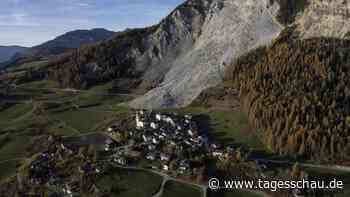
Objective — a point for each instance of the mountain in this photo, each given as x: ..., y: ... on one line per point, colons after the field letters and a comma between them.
x: 187, y: 52
x: 179, y: 57
x: 296, y: 90
x: 288, y: 59
x: 63, y: 43
x: 6, y: 52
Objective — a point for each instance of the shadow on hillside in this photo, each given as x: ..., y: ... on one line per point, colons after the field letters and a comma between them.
x: 206, y: 125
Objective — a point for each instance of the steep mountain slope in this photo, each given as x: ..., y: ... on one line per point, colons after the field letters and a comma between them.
x: 63, y: 43
x: 6, y: 52
x: 297, y: 93
x: 230, y: 29
x: 173, y: 61
x: 182, y: 55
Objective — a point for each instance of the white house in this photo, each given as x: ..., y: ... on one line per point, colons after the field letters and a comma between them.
x: 153, y: 125
x: 164, y: 157
x: 170, y: 121
x: 165, y: 167
x: 67, y: 191
x: 217, y: 153
x: 139, y: 123
x: 120, y: 161
x: 144, y: 137
x: 155, y: 141
x: 150, y: 157
x: 158, y: 117
x: 188, y: 117
x: 107, y: 148
x: 151, y: 147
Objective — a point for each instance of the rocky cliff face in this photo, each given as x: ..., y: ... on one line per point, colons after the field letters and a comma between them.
x: 228, y: 29
x: 188, y: 50
x: 324, y: 18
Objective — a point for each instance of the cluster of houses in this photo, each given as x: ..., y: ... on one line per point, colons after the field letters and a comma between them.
x: 167, y: 141
x: 170, y: 140
x: 44, y: 170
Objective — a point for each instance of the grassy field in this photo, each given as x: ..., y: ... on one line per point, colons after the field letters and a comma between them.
x: 14, y: 147
x: 7, y: 169
x: 14, y: 113
x: 14, y: 135
x: 17, y: 121
x: 69, y: 112
x: 230, y: 127
x: 81, y: 121
x: 130, y: 183
x: 176, y: 189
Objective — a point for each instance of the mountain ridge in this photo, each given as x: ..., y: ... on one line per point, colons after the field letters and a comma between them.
x: 62, y: 43
x: 6, y: 52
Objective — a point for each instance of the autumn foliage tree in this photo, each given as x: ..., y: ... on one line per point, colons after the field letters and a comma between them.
x: 297, y: 93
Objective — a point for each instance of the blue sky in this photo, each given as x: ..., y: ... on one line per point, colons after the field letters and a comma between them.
x: 31, y: 22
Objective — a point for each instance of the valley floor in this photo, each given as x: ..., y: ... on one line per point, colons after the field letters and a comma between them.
x: 31, y: 112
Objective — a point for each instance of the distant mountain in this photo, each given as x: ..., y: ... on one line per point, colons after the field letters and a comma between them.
x: 63, y: 43
x: 6, y: 52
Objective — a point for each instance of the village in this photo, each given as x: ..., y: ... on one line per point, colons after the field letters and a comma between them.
x: 48, y: 169
x: 170, y: 142
x: 166, y: 143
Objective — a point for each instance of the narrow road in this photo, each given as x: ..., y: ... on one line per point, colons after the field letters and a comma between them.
x: 308, y: 165
x: 166, y: 178
x: 79, y: 91
x: 161, y: 189
x: 84, y: 134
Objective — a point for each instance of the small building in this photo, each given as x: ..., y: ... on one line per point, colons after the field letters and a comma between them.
x: 120, y: 161
x: 151, y: 157
x: 166, y: 167
x: 164, y: 157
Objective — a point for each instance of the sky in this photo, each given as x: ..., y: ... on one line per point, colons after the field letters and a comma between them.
x: 31, y: 22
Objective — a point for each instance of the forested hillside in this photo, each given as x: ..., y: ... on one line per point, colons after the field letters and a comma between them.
x: 100, y: 62
x: 297, y: 94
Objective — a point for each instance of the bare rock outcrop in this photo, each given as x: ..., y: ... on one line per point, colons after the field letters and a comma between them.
x: 229, y: 29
